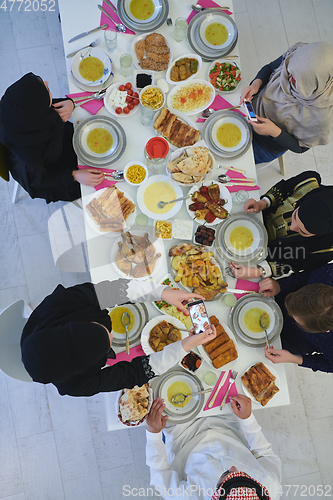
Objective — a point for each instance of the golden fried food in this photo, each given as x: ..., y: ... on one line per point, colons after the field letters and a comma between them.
x: 140, y: 48
x: 217, y: 342
x: 136, y: 256
x: 222, y: 349
x: 160, y: 58
x: 155, y: 39
x: 110, y: 210
x: 163, y: 334
x: 260, y: 383
x: 225, y: 358
x: 178, y: 133
x: 157, y: 49
x: 148, y: 63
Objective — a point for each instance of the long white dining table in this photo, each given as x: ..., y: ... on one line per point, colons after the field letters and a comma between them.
x: 81, y: 15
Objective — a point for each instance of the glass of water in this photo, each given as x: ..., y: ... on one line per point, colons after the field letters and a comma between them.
x: 239, y: 199
x: 110, y: 38
x: 125, y: 64
x: 180, y: 29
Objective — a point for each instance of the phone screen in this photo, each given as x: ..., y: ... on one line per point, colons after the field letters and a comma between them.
x: 250, y: 109
x: 199, y: 316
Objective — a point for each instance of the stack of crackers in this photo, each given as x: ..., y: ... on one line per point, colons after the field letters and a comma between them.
x: 111, y: 210
x: 222, y: 349
x: 259, y: 381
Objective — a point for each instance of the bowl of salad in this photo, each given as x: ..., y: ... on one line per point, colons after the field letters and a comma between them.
x: 225, y: 76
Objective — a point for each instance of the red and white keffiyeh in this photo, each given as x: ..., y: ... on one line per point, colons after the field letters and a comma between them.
x: 241, y: 492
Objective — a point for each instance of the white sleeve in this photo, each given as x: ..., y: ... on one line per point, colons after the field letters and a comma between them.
x: 162, y: 361
x: 268, y: 201
x: 144, y: 291
x: 266, y: 267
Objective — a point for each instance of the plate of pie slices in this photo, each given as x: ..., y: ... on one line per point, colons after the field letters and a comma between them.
x: 264, y: 380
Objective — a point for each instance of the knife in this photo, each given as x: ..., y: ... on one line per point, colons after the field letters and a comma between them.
x: 81, y: 35
x: 224, y: 378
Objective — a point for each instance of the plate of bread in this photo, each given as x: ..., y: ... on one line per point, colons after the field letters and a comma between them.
x: 176, y: 128
x: 133, y: 405
x: 191, y: 165
x: 220, y: 351
x: 260, y: 383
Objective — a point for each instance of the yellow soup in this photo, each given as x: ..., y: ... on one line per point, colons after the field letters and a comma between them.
x: 228, y: 135
x: 216, y: 34
x: 251, y: 319
x: 241, y: 238
x: 142, y: 9
x: 116, y: 315
x: 159, y: 191
x: 91, y: 68
x: 176, y: 388
x: 99, y: 140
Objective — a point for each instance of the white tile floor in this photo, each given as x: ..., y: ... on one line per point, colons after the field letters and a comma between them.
x: 57, y: 448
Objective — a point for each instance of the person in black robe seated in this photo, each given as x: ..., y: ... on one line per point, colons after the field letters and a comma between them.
x: 67, y: 339
x: 298, y: 216
x: 306, y: 301
x: 36, y: 131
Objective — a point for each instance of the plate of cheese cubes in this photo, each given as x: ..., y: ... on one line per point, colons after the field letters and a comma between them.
x: 121, y: 99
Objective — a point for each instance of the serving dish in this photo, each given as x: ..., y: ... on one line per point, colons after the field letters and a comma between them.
x: 248, y: 393
x: 141, y: 317
x: 135, y: 57
x: 155, y: 321
x: 136, y: 422
x: 161, y: 216
x: 178, y: 152
x: 136, y: 184
x: 80, y: 145
x: 188, y: 86
x: 242, y: 332
x: 225, y: 61
x: 147, y: 26
x: 192, y: 56
x: 184, y: 118
x: 205, y: 355
x: 224, y: 194
x: 162, y: 306
x: 110, y: 109
x: 91, y: 52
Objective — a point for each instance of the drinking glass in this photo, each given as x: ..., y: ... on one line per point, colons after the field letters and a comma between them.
x: 147, y: 115
x: 239, y: 199
x: 125, y: 64
x: 110, y: 38
x: 180, y: 29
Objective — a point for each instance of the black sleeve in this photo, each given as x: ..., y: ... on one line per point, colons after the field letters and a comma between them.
x: 294, y: 282
x: 289, y: 141
x: 284, y: 188
x: 317, y: 362
x: 267, y: 70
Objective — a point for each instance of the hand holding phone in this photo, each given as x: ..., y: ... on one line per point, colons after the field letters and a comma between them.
x: 199, y: 316
x: 250, y: 111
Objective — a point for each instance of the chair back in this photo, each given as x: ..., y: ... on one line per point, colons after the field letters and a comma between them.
x: 12, y: 322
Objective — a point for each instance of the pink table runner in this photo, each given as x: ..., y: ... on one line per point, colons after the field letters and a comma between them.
x: 208, y: 4
x: 92, y: 106
x: 238, y: 175
x: 233, y: 392
x: 220, y: 103
x: 105, y: 183
x: 246, y: 285
x: 122, y: 356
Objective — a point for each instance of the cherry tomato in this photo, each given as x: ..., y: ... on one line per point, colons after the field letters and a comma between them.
x: 129, y: 98
x: 128, y: 85
x: 126, y: 110
x: 135, y: 94
x: 119, y: 111
x: 122, y: 88
x: 136, y: 102
x: 130, y: 92
x: 130, y: 105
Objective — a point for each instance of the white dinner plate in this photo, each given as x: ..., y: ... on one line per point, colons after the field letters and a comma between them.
x: 205, y: 355
x: 234, y: 120
x: 176, y: 206
x: 182, y: 86
x: 155, y: 321
x: 95, y: 227
x: 276, y: 382
x: 216, y: 18
x: 224, y: 194
x: 91, y: 52
x: 154, y: 15
x: 192, y: 56
x: 135, y: 57
x: 110, y: 109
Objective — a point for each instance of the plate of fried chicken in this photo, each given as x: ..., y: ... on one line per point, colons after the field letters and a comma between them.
x: 133, y: 255
x: 151, y: 51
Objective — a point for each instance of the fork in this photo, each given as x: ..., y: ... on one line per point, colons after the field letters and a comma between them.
x: 231, y: 381
x: 92, y: 44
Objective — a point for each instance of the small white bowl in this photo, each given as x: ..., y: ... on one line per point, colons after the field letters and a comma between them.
x: 215, y: 18
x: 155, y: 14
x: 151, y: 87
x: 192, y: 56
x: 128, y: 166
x: 187, y: 369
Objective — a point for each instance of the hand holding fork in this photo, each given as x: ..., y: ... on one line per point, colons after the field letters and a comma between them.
x: 231, y: 381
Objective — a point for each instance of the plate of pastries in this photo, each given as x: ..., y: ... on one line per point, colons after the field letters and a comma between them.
x: 222, y: 350
x: 260, y: 383
x: 133, y: 405
x: 176, y: 128
x: 151, y: 51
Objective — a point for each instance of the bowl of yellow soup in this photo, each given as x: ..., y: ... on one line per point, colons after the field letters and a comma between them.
x: 229, y: 134
x: 139, y: 316
x: 91, y: 66
x: 155, y: 189
x: 216, y: 32
x: 142, y: 11
x: 135, y: 173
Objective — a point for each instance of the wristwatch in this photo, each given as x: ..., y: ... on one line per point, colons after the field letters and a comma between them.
x: 263, y: 274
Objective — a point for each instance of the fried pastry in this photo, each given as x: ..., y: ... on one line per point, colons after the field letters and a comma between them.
x: 140, y: 48
x: 222, y: 349
x: 155, y: 39
x: 260, y: 383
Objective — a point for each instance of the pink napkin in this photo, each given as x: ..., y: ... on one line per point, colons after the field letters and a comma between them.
x: 105, y: 19
x: 92, y: 106
x: 220, y: 103
x: 238, y: 175
x: 233, y: 392
x: 122, y: 356
x: 206, y: 3
x: 246, y: 285
x: 105, y: 183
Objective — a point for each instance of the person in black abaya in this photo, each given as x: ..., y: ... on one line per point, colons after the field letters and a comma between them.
x: 36, y: 131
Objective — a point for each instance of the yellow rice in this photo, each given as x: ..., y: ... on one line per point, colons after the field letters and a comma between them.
x: 191, y: 97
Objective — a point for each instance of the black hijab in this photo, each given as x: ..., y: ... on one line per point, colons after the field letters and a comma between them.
x: 316, y: 211
x: 31, y: 128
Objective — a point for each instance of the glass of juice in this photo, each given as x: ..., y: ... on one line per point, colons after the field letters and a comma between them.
x: 125, y: 64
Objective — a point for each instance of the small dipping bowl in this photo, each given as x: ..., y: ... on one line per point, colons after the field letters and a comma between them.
x: 126, y: 169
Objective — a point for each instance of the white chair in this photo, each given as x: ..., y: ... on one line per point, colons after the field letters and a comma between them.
x: 281, y: 161
x: 12, y: 321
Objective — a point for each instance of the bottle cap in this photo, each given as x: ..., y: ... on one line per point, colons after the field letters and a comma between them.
x: 157, y: 147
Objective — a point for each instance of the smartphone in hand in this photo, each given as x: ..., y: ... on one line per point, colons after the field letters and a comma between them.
x: 250, y: 111
x: 199, y: 316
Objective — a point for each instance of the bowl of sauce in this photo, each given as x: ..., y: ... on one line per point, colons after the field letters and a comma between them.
x: 216, y: 32
x: 91, y: 66
x: 228, y: 134
x: 142, y: 11
x: 159, y: 188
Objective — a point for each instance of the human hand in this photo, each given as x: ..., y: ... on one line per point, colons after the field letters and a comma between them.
x: 201, y: 338
x: 179, y: 298
x: 264, y: 126
x: 248, y: 92
x: 155, y: 422
x: 269, y: 287
x: 64, y: 109
x: 241, y: 406
x: 88, y: 176
x: 254, y: 206
x: 245, y: 272
x: 282, y: 356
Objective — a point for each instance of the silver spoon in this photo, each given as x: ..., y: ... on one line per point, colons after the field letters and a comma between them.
x: 161, y: 204
x: 125, y: 319
x: 97, y: 97
x: 198, y: 8
x: 262, y: 324
x: 119, y: 27
x: 117, y: 175
x: 180, y: 397
x: 224, y: 179
x: 209, y: 111
x: 92, y: 44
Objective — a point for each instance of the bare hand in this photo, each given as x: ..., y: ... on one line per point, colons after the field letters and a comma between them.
x: 250, y: 91
x: 179, y: 298
x: 241, y: 406
x: 253, y: 206
x: 201, y: 338
x: 64, y: 109
x: 155, y: 421
x: 269, y: 287
x: 282, y: 356
x: 264, y: 126
x: 88, y: 176
x: 245, y: 272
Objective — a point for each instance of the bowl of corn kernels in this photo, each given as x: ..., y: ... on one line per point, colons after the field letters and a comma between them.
x: 135, y: 173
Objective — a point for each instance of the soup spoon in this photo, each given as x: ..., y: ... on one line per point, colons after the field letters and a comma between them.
x: 199, y: 8
x: 224, y: 179
x: 263, y: 326
x: 125, y: 319
x: 161, y: 204
x: 117, y: 175
x: 180, y: 397
x: 119, y: 27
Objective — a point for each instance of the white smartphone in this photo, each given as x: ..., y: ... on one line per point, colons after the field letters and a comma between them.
x: 199, y: 316
x: 250, y: 111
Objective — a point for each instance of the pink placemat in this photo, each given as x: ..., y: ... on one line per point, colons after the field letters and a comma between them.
x: 105, y: 183
x: 233, y: 392
x: 208, y: 4
x: 220, y: 103
x: 246, y: 285
x: 238, y: 175
x: 105, y: 19
x: 92, y: 106
x: 122, y: 356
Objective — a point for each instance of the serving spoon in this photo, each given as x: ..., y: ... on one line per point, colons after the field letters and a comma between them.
x: 199, y: 8
x: 180, y: 397
x: 262, y: 324
x: 161, y: 204
x: 125, y: 319
x: 119, y: 27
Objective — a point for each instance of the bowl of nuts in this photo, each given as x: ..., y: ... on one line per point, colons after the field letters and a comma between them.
x: 135, y: 173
